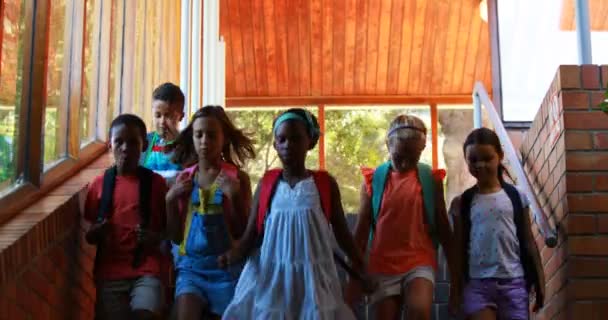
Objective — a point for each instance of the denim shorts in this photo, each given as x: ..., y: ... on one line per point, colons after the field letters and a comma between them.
x: 509, y: 297
x: 116, y: 299
x: 214, y: 287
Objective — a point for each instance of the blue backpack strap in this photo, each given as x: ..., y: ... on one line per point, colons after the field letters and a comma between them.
x: 378, y: 184
x: 425, y: 176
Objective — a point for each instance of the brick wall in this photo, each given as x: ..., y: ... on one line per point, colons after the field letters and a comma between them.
x: 566, y: 156
x: 45, y: 264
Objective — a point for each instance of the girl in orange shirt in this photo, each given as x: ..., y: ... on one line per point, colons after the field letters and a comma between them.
x: 398, y: 229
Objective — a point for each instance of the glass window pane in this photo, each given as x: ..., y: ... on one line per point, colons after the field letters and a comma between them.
x: 356, y: 137
x: 11, y: 63
x: 258, y: 121
x: 532, y: 46
x: 55, y: 133
x: 87, y: 114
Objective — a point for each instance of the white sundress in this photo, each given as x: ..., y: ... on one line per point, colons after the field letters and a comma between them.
x: 293, y: 274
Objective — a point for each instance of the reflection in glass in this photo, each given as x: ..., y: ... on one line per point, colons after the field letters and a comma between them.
x: 11, y: 77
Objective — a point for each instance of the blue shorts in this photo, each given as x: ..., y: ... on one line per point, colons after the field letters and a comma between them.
x: 214, y: 287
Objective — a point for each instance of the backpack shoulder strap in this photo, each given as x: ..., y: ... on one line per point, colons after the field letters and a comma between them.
x: 466, y: 199
x: 267, y: 186
x: 378, y: 184
x: 530, y: 271
x: 107, y: 194
x: 323, y: 183
x: 427, y: 182
x: 231, y: 170
x: 513, y: 194
x: 145, y: 190
x: 144, y: 176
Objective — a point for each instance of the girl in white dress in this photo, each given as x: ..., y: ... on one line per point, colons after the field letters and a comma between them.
x: 293, y: 274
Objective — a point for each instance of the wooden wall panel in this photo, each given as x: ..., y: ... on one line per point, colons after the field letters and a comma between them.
x: 304, y: 27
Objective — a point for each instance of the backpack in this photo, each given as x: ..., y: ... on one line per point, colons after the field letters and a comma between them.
x: 144, y: 176
x: 518, y: 212
x: 269, y: 183
x: 229, y: 169
x: 425, y: 176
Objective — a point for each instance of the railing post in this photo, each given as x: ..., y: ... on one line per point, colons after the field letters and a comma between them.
x: 583, y: 32
x: 476, y: 110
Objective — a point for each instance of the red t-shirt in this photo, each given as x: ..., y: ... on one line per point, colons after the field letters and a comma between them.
x: 115, y: 261
x: 401, y: 241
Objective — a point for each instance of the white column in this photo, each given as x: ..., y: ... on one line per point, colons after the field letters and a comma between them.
x: 213, y: 56
x: 195, y: 84
x: 184, y: 67
x: 583, y: 31
x: 222, y: 74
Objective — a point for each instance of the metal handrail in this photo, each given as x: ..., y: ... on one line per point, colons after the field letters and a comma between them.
x: 482, y: 99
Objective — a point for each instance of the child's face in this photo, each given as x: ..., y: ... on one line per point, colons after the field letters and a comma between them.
x: 166, y: 119
x: 291, y: 141
x: 208, y: 138
x: 405, y: 152
x: 483, y: 161
x: 126, y: 144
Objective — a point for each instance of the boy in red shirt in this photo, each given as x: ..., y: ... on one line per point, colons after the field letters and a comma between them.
x: 127, y: 225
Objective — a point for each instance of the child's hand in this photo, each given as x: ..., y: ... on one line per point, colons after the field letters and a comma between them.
x: 95, y: 233
x: 231, y: 256
x: 353, y: 292
x: 147, y: 238
x: 229, y: 186
x: 540, y: 299
x: 368, y: 284
x: 182, y: 187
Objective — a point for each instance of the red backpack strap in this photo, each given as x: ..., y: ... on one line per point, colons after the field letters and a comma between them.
x: 267, y: 186
x: 323, y: 183
x: 231, y: 170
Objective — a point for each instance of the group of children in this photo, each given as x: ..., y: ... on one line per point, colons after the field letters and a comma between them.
x: 271, y: 255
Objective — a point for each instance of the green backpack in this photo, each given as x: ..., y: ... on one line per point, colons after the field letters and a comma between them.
x: 425, y: 176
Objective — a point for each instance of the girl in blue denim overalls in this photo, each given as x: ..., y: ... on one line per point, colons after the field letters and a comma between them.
x: 207, y: 211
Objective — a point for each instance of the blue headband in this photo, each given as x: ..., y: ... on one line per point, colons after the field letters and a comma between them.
x: 313, y: 131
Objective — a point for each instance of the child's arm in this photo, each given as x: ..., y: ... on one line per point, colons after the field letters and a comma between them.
x: 182, y: 187
x: 341, y: 231
x: 96, y: 229
x: 456, y: 274
x: 239, y: 193
x: 364, y: 219
x: 244, y: 245
x: 536, y: 260
x: 444, y: 229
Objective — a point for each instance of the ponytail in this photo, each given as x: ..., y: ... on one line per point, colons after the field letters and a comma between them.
x: 502, y: 170
x: 183, y: 147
